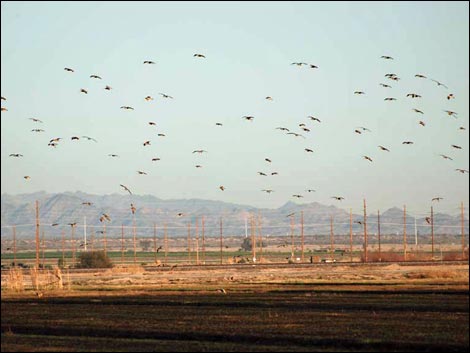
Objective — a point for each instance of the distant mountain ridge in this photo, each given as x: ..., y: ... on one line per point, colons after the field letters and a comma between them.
x: 68, y: 207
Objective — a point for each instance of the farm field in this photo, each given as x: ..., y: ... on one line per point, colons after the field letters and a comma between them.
x: 296, y: 307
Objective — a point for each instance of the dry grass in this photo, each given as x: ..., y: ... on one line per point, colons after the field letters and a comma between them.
x: 15, y: 280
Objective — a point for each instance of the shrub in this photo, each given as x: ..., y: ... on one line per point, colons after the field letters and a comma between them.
x: 94, y: 259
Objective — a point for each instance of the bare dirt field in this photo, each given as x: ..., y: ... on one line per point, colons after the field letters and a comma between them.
x: 296, y: 307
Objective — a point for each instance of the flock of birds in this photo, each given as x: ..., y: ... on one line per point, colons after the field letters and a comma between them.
x: 54, y: 142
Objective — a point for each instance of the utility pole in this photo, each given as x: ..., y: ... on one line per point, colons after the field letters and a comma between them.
x: 404, y: 232
x: 365, y: 232
x: 84, y: 231
x: 292, y: 237
x: 432, y: 233
x: 14, y: 246
x: 197, y: 242
x: 302, y: 234
x: 462, y: 230
x: 221, y: 242
x: 260, y: 238
x: 378, y: 230
x: 203, y: 243
x: 37, y: 234
x: 350, y: 235
x: 332, y: 239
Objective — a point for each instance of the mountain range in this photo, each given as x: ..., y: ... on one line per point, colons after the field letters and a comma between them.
x: 69, y: 207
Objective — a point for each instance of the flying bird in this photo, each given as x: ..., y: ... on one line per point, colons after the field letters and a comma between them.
x: 359, y: 92
x: 439, y: 83
x: 358, y: 131
x: 422, y: 123
x: 390, y: 99
x: 3, y: 98
x: 141, y: 172
x: 148, y: 62
x: 384, y: 85
x: 282, y: 129
x: 308, y: 150
x: 274, y: 173
x: 4, y: 109
x: 445, y: 157
x: 310, y: 190
x: 27, y: 177
x: 313, y: 66
x: 198, y: 166
x: 451, y: 113
x: 221, y: 187
x: 305, y: 129
x: 133, y: 208
x: 363, y: 128
x: 267, y: 160
x: 95, y: 76
x: 413, y: 95
x: 87, y: 203
x: 75, y: 138
x: 165, y: 95
x: 261, y: 173
x: 295, y: 134
x: 37, y: 130
x: 450, y: 96
x: 127, y: 107
x: 420, y: 76
x: 358, y: 222
x: 35, y: 120
x: 148, y: 98
x: 113, y: 155
x: 437, y: 199
x: 89, y: 138
x: 16, y: 155
x: 457, y: 147
x: 161, y: 135
x: 298, y: 196
x: 339, y: 198
x: 126, y: 188
x: 54, y: 224
x: 299, y: 64
x: 249, y: 118
x: 417, y: 111
x: 368, y: 158
x: 428, y: 220
x: 199, y: 55
x: 152, y: 123
x: 104, y: 216
x: 461, y: 128
x: 108, y: 88
x: 199, y: 151
x: 72, y: 224
x: 84, y: 91
x: 462, y: 170
x: 218, y: 124
x: 155, y: 159
x: 407, y: 142
x: 68, y: 69
x: 269, y: 98
x: 390, y: 75
x: 159, y: 248
x: 386, y: 57
x: 146, y: 143
x: 313, y: 118
x: 290, y: 214
x: 181, y: 214
x: 384, y: 148
x: 267, y: 190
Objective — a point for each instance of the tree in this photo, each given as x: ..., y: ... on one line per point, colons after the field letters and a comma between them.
x: 246, y: 245
x: 94, y: 259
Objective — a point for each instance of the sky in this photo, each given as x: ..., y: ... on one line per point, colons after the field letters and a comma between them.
x: 249, y: 48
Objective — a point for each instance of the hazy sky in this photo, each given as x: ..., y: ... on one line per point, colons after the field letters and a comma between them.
x: 249, y: 48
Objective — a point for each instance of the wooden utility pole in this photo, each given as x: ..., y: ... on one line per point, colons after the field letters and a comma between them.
x: 14, y: 246
x: 221, y: 243
x: 253, y: 240
x: 404, y: 232
x: 378, y: 230
x: 292, y: 237
x: 462, y: 230
x: 37, y: 234
x: 155, y: 241
x: 365, y: 232
x: 165, y: 241
x: 134, y: 239
x: 350, y: 235
x: 203, y: 243
x: 302, y: 234
x: 432, y: 233
x: 189, y: 243
x: 197, y: 242
x: 122, y: 243
x: 332, y: 239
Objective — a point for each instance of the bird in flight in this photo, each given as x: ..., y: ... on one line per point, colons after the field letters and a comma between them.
x: 155, y: 159
x: 3, y: 98
x: 161, y: 135
x: 199, y: 55
x: 363, y: 128
x: 152, y: 123
x: 422, y: 123
x: 450, y: 96
x: 198, y: 166
x: 390, y: 75
x: 72, y: 224
x: 89, y: 138
x: 368, y: 158
x: 413, y: 95
x: 462, y: 170
x: 386, y: 57
x: 282, y: 129
x: 313, y: 66
x: 165, y: 95
x: 261, y: 173
x: 339, y: 198
x: 439, y: 83
x: 445, y: 157
x: 148, y: 98
x: 87, y: 203
x: 221, y: 187
x: 308, y: 150
x: 104, y: 216
x: 218, y: 124
x: 358, y: 131
x: 295, y: 134
x: 133, y: 208
x: 75, y: 138
x: 148, y: 62
x: 54, y: 224
x: 461, y: 128
x: 420, y: 76
x: 359, y: 92
x: 428, y: 220
x: 68, y: 69
x: 407, y: 142
x: 35, y: 120
x: 267, y: 160
x: 358, y: 222
x: 267, y: 190
x: 113, y: 155
x: 457, y: 147
x: 180, y: 214
x: 298, y: 196
x: 141, y: 172
x: 27, y: 177
x: 417, y: 111
x: 437, y: 199
x: 313, y: 118
x: 451, y: 113
x: 290, y: 214
x: 249, y: 118
x: 199, y: 151
x: 269, y: 98
x: 127, y: 107
x: 108, y: 88
x: 274, y: 173
x: 84, y: 91
x: 159, y: 248
x: 384, y: 85
x: 146, y: 143
x: 390, y: 99
x: 37, y: 130
x: 95, y: 76
x: 4, y: 109
x: 16, y: 155
x: 126, y: 188
x: 299, y: 64
x: 310, y: 190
